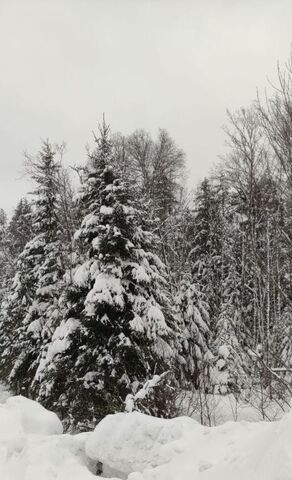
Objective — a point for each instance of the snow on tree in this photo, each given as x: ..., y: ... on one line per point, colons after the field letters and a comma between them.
x: 193, y: 312
x: 228, y: 370
x: 229, y: 367
x: 42, y: 255
x: 20, y: 227
x: 13, y: 310
x: 6, y: 259
x: 135, y: 402
x: 118, y: 329
x: 198, y: 299
x: 205, y: 256
x: 282, y: 347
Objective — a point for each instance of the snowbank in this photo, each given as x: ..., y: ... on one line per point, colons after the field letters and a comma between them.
x: 43, y: 458
x: 139, y: 447
x: 133, y: 442
x: 20, y: 416
x: 32, y: 417
x: 32, y: 447
x: 145, y: 448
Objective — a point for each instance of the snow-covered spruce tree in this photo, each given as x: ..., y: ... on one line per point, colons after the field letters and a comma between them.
x: 44, y: 253
x: 6, y: 259
x: 77, y: 279
x: 14, y: 297
x: 206, y: 254
x: 20, y: 227
x: 193, y: 312
x: 198, y: 299
x: 118, y: 329
x: 228, y: 373
x: 14, y: 309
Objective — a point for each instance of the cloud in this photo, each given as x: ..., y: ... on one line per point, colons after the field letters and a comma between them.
x: 176, y: 64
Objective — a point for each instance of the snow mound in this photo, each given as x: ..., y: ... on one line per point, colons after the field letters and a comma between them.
x: 32, y: 447
x: 20, y: 416
x: 32, y: 417
x: 43, y: 458
x: 134, y: 446
x: 132, y: 442
x: 145, y: 448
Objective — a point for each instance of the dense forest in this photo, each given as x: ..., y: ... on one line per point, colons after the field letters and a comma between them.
x: 122, y: 287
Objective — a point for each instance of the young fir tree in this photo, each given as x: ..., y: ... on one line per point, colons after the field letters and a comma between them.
x: 118, y: 328
x: 43, y: 253
x: 230, y: 364
x: 193, y: 312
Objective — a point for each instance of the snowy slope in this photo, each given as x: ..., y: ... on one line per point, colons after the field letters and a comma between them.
x: 139, y: 447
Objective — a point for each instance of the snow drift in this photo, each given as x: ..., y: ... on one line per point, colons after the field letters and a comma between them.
x: 146, y: 448
x: 32, y: 446
x: 139, y: 447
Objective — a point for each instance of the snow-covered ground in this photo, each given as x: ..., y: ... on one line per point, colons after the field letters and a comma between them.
x: 4, y: 393
x: 134, y: 446
x: 145, y: 448
x: 215, y: 410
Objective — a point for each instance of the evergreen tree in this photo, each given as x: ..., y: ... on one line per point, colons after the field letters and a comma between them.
x: 42, y: 259
x: 230, y: 364
x: 206, y: 254
x: 6, y: 259
x: 193, y: 311
x: 118, y: 326
x: 20, y: 228
x: 14, y: 309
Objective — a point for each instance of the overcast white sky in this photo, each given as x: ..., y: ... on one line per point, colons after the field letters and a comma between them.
x: 176, y: 64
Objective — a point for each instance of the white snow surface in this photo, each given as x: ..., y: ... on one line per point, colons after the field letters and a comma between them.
x: 134, y: 446
x: 147, y: 448
x: 32, y: 446
x: 30, y: 417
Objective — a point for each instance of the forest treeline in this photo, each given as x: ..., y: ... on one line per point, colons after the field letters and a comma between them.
x: 130, y: 275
